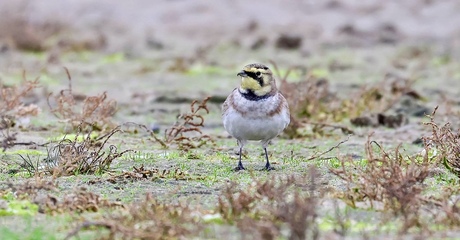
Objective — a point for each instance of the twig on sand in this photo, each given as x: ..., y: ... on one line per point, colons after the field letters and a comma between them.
x: 317, y: 155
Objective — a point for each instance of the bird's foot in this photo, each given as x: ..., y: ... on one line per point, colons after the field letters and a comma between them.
x: 239, y: 167
x: 267, y: 168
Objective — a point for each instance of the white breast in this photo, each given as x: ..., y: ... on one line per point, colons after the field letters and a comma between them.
x: 254, y: 123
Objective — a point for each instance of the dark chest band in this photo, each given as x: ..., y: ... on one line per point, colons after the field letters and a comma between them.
x: 251, y: 96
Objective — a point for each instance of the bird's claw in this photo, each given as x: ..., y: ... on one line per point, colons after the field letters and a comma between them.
x: 239, y: 168
x: 268, y: 168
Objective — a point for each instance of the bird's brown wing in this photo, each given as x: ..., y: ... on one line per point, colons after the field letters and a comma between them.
x: 226, y: 104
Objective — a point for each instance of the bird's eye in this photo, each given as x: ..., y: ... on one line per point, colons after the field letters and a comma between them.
x: 258, y: 74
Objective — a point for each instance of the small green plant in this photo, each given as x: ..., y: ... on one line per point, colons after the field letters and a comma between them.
x: 14, y: 206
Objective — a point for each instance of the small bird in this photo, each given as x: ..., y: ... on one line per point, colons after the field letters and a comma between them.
x: 256, y: 110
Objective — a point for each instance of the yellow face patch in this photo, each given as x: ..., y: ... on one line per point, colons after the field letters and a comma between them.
x: 250, y: 84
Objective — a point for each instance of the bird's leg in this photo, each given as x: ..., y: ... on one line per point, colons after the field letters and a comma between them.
x: 240, y: 164
x: 268, y: 167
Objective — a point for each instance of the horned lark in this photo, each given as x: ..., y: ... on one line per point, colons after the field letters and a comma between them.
x: 256, y: 110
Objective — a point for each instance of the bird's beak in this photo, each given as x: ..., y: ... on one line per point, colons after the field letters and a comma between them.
x: 242, y: 74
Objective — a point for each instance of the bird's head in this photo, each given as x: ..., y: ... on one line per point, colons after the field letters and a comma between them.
x: 257, y: 78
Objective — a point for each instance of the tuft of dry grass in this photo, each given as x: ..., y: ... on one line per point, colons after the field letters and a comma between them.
x: 75, y: 156
x: 95, y: 112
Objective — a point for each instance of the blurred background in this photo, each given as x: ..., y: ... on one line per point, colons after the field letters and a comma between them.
x: 175, y: 51
x: 140, y: 25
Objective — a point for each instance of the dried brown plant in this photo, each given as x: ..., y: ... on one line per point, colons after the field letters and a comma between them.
x: 308, y: 99
x: 380, y: 97
x: 186, y: 133
x: 148, y: 219
x: 312, y: 102
x: 8, y: 138
x: 79, y: 200
x: 29, y: 189
x: 446, y: 141
x: 267, y: 207
x: 95, y: 112
x: 41, y: 192
x: 12, y: 97
x: 12, y: 107
x: 142, y: 173
x: 395, y: 180
x: 447, y: 205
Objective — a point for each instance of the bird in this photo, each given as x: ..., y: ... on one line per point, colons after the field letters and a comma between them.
x: 256, y: 110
